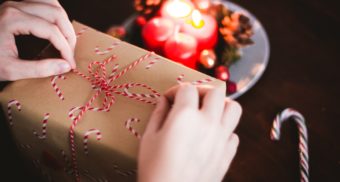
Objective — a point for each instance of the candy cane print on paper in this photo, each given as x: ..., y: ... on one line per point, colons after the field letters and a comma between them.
x: 123, y: 172
x: 303, y: 137
x: 152, y: 62
x: 81, y: 31
x: 68, y: 165
x: 180, y: 79
x: 86, y: 138
x: 128, y: 125
x: 91, y: 178
x: 107, y: 50
x: 9, y: 110
x: 25, y: 146
x: 55, y: 86
x: 44, y: 128
x: 36, y: 163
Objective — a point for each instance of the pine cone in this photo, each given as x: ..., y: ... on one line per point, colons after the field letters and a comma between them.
x: 236, y: 30
x: 219, y: 11
x: 147, y: 7
x: 230, y: 55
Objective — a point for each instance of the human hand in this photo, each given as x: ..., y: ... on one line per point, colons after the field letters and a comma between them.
x: 45, y: 19
x: 189, y: 141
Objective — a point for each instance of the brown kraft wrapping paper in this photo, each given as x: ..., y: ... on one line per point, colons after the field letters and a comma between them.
x: 40, y: 120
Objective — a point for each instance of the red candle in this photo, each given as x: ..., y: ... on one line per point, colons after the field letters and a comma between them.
x: 203, y: 28
x: 182, y: 48
x: 156, y: 32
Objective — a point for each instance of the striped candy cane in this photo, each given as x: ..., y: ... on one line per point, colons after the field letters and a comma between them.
x: 68, y: 164
x: 107, y: 50
x: 180, y: 79
x: 81, y: 31
x: 44, y: 128
x: 128, y: 125
x: 122, y: 172
x: 55, y: 87
x: 303, y: 137
x: 9, y: 110
x: 87, y: 174
x: 25, y: 146
x: 36, y: 163
x: 86, y: 138
x: 152, y: 62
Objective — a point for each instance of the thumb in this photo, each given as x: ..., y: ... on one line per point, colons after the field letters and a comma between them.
x: 158, y: 116
x: 22, y: 69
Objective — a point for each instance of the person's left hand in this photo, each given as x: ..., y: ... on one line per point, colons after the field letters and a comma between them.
x: 42, y: 18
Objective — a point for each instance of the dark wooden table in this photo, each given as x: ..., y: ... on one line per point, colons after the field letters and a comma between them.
x: 303, y: 73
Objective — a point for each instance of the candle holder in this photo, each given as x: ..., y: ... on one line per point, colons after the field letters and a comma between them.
x: 230, y: 40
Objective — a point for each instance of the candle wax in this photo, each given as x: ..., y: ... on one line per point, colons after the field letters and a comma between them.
x: 182, y: 48
x: 156, y: 32
x: 205, y: 31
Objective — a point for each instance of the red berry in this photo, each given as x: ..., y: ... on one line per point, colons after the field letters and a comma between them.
x: 231, y: 87
x: 140, y: 20
x: 222, y: 73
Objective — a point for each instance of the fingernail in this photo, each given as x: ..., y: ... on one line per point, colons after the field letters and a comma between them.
x: 64, y: 67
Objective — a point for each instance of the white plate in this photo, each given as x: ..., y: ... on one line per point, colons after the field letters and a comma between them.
x: 248, y: 70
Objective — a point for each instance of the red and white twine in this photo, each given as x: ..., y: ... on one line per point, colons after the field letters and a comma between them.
x: 128, y: 125
x: 107, y: 50
x: 303, y: 137
x: 86, y: 138
x: 55, y: 86
x: 9, y: 110
x: 180, y: 79
x: 101, y: 83
x: 44, y: 128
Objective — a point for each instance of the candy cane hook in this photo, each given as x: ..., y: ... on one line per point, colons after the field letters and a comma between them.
x: 86, y: 137
x: 128, y: 125
x: 180, y: 79
x: 303, y: 137
x: 55, y: 87
x: 152, y: 62
x: 107, y: 50
x: 81, y: 31
x: 44, y: 128
x: 9, y: 110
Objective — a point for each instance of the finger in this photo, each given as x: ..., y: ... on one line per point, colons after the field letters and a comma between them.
x: 52, y: 2
x: 186, y: 96
x: 230, y: 152
x: 29, y: 24
x: 170, y: 94
x: 51, y: 13
x: 21, y: 69
x: 158, y: 115
x: 213, y: 103
x: 231, y: 116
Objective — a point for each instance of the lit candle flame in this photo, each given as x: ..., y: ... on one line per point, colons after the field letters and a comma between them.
x: 197, y: 20
x: 178, y: 8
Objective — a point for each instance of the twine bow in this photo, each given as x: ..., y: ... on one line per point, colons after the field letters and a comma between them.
x: 101, y: 83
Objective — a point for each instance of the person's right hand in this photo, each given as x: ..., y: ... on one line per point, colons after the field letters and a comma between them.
x: 190, y: 136
x: 45, y: 19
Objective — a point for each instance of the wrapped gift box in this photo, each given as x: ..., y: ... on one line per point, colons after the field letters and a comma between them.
x: 86, y: 125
